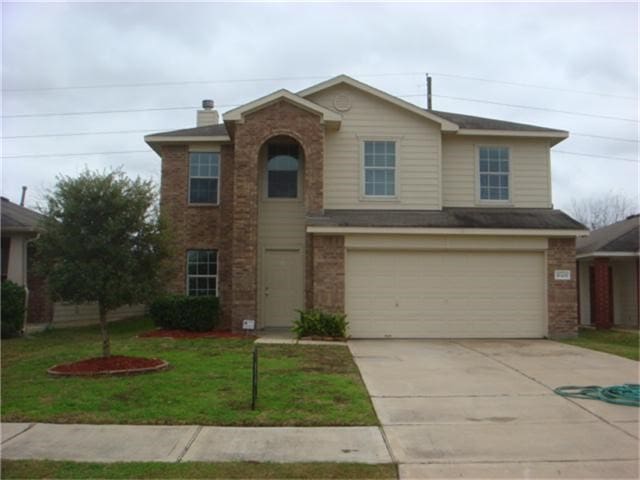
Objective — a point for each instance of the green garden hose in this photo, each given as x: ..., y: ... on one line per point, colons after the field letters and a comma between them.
x: 627, y: 394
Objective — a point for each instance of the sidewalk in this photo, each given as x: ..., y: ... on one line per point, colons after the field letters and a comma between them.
x: 150, y: 443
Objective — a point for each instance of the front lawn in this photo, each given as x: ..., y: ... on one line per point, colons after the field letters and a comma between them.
x: 623, y: 344
x: 50, y: 469
x: 209, y: 382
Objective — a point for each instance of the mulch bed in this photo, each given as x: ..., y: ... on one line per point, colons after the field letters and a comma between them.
x: 113, y: 365
x: 177, y: 334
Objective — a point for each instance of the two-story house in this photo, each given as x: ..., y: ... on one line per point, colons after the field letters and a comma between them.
x: 415, y: 223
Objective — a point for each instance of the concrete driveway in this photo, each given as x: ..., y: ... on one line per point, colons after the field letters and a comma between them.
x: 486, y: 409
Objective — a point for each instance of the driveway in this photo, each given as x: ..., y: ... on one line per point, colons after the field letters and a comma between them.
x: 486, y: 409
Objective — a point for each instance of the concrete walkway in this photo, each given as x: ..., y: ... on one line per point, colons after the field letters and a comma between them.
x: 486, y: 409
x: 142, y: 443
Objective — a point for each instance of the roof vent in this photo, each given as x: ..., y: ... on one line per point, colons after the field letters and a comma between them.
x: 207, y: 116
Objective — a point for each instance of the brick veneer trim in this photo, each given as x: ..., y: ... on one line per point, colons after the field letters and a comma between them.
x: 562, y: 295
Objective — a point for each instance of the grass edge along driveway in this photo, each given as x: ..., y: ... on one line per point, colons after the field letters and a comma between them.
x: 209, y: 382
x: 622, y: 343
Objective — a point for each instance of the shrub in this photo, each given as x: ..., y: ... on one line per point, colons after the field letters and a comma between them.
x: 12, y: 315
x: 181, y: 312
x: 318, y: 323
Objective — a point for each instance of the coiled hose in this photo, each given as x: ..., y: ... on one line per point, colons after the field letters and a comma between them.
x: 627, y: 394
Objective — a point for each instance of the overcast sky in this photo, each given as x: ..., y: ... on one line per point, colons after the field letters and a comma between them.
x: 574, y: 48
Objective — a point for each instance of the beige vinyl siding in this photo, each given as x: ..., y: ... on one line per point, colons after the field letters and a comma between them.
x: 529, y: 166
x: 369, y: 118
x: 445, y: 294
x: 88, y: 313
x: 625, y: 306
x: 584, y: 292
x: 281, y: 227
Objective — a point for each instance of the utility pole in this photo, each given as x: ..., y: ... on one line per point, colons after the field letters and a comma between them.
x: 428, y: 91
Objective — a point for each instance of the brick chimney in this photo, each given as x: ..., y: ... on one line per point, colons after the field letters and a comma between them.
x: 207, y: 116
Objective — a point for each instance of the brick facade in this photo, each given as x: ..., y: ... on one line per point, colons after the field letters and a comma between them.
x: 602, y: 307
x: 232, y: 227
x: 562, y: 295
x: 195, y: 227
x: 327, y: 273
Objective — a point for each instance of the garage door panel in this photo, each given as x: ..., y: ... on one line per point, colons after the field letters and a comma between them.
x: 445, y: 294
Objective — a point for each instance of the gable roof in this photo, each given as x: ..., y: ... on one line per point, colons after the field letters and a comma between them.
x: 237, y: 114
x: 620, y: 237
x: 16, y: 219
x: 446, y: 125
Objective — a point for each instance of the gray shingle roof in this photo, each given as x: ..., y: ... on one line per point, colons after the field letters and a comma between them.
x: 529, y: 218
x: 207, y: 131
x: 482, y: 123
x: 15, y: 218
x: 463, y: 121
x: 618, y: 237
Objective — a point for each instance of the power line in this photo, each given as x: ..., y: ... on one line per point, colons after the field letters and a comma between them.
x: 75, y: 154
x: 160, y: 129
x: 197, y: 82
x: 95, y: 112
x: 476, y: 100
x: 597, y: 156
x: 604, y: 137
x: 111, y: 132
x: 531, y: 85
x: 544, y: 109
x: 311, y: 77
x: 122, y: 152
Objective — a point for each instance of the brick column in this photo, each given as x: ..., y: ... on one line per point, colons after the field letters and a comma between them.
x: 328, y: 273
x: 562, y: 296
x: 602, y: 306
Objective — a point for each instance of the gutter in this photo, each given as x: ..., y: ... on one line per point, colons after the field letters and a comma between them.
x: 529, y: 232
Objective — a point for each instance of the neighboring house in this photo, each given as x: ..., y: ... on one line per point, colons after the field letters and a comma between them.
x: 415, y: 223
x: 20, y: 226
x: 608, y: 275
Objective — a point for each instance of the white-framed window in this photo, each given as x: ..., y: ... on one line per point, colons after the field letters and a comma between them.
x: 202, y: 272
x: 204, y: 176
x: 379, y: 168
x: 493, y: 174
x: 283, y: 164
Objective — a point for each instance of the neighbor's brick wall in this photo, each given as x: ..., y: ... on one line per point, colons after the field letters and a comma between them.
x: 194, y: 226
x: 562, y: 296
x: 40, y: 305
x: 328, y: 272
x: 281, y: 118
x: 602, y: 307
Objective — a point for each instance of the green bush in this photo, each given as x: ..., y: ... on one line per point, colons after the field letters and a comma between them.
x: 317, y: 323
x: 12, y: 315
x: 181, y: 312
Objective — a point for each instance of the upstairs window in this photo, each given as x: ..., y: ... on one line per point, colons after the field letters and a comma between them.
x: 494, y: 173
x: 202, y: 272
x: 204, y: 175
x: 379, y: 169
x: 282, y: 170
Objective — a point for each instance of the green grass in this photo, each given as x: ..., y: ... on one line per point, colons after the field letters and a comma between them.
x: 623, y: 344
x: 209, y: 382
x: 33, y: 469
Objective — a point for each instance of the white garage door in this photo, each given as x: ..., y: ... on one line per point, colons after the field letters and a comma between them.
x: 445, y: 294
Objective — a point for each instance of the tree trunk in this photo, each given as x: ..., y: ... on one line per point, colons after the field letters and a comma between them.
x: 106, y: 343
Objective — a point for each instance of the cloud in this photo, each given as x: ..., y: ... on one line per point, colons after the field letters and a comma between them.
x: 579, y: 47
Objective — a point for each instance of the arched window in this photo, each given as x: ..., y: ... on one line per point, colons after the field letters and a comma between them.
x: 282, y: 170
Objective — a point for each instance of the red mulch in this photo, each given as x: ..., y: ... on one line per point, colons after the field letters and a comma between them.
x: 113, y: 364
x: 188, y: 334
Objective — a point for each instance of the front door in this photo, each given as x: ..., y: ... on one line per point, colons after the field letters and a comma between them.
x: 283, y: 286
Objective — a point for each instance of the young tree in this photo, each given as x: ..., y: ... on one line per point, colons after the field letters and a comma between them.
x: 103, y: 242
x: 600, y: 211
